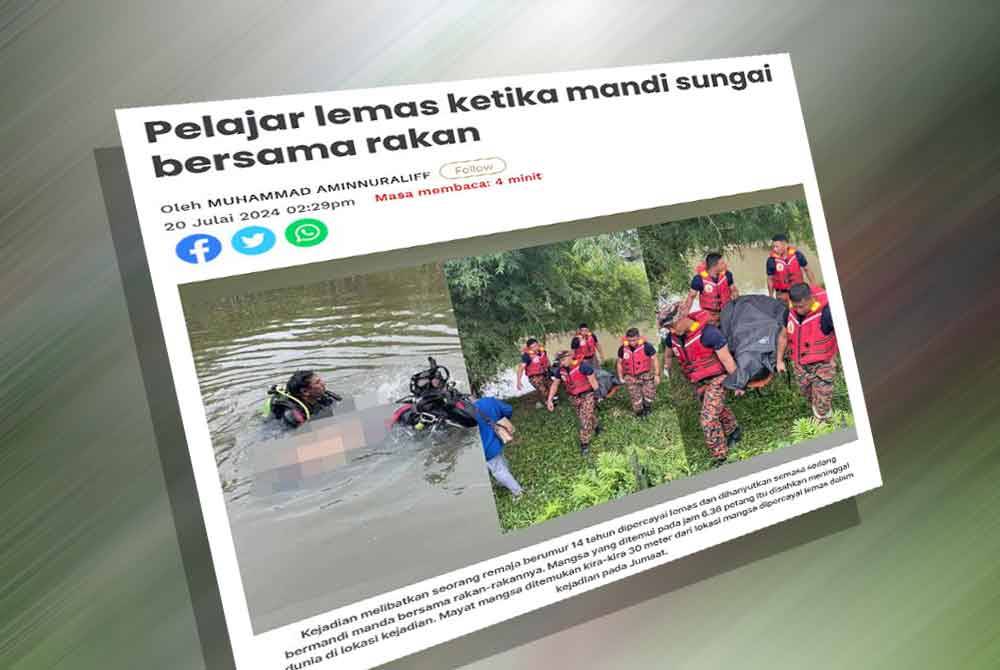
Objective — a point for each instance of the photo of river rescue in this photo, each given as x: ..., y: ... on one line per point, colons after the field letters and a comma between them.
x: 372, y: 429
x: 627, y: 360
x: 344, y: 436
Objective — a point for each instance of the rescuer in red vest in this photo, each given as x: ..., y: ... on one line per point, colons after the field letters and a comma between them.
x: 535, y: 364
x: 581, y: 384
x: 713, y: 284
x: 586, y: 347
x: 785, y: 267
x: 810, y: 338
x: 705, y: 360
x: 639, y: 369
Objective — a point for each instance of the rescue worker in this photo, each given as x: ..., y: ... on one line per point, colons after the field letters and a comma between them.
x: 302, y: 398
x: 813, y: 343
x: 581, y: 384
x: 639, y: 369
x: 785, y: 266
x: 535, y: 364
x: 705, y: 360
x: 586, y: 347
x: 488, y: 412
x: 713, y: 285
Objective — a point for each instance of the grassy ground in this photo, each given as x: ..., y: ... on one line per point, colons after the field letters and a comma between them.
x: 669, y: 443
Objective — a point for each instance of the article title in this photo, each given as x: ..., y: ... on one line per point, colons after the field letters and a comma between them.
x: 253, y: 127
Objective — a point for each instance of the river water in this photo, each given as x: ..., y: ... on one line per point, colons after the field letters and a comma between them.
x: 338, y: 530
x: 364, y: 335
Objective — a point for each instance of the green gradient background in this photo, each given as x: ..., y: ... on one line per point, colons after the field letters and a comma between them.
x: 902, y: 103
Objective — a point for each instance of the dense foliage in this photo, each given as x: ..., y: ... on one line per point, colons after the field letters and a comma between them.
x: 501, y: 299
x: 631, y: 454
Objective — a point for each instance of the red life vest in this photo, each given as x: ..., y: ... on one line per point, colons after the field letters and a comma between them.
x: 539, y: 363
x: 714, y: 293
x: 588, y: 346
x: 787, y: 270
x: 576, y: 382
x: 697, y: 361
x: 635, y: 361
x: 805, y: 336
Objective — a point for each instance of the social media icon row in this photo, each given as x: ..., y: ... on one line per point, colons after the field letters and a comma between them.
x: 252, y: 240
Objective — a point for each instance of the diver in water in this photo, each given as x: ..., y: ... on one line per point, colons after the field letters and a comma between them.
x: 302, y: 398
x: 434, y: 399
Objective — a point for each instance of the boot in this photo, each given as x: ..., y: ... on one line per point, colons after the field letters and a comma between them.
x: 734, y: 436
x: 584, y: 449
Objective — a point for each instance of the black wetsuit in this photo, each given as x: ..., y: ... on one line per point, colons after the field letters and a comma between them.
x: 293, y: 414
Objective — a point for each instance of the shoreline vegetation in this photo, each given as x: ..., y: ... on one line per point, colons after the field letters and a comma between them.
x: 631, y: 453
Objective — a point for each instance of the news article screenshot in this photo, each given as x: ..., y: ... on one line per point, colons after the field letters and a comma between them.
x: 448, y: 353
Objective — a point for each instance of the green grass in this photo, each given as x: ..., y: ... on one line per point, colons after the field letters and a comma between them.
x: 632, y: 453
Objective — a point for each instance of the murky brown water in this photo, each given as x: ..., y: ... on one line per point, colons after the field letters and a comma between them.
x: 364, y: 335
x: 338, y: 534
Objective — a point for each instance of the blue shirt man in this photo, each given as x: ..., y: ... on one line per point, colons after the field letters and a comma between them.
x: 488, y: 412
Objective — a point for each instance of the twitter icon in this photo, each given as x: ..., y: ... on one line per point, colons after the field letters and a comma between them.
x: 253, y: 240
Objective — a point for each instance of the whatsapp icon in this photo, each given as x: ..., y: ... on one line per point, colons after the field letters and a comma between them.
x: 306, y: 232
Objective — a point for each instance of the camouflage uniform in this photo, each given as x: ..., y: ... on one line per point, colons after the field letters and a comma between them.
x: 541, y: 383
x: 717, y: 420
x: 641, y: 390
x: 816, y: 383
x: 586, y: 411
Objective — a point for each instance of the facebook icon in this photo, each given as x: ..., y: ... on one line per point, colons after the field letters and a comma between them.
x: 198, y: 248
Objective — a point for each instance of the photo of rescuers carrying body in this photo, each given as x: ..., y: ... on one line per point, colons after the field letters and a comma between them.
x: 650, y: 354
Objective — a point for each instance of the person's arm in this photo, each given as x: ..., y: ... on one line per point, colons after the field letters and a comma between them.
x: 618, y: 365
x: 826, y: 321
x: 733, y: 291
x: 727, y: 358
x: 688, y: 301
x: 728, y: 363
x: 668, y: 358
x: 520, y: 374
x: 804, y: 264
x: 600, y: 352
x: 770, y: 269
x: 592, y: 378
x: 656, y: 368
x: 553, y: 387
x: 782, y: 346
x: 506, y: 411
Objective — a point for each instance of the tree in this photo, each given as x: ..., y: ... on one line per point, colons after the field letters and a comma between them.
x: 501, y: 299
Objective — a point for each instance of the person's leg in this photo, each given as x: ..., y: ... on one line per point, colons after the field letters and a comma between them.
x: 726, y: 417
x: 823, y: 375
x: 804, y: 380
x: 500, y: 470
x: 648, y: 390
x: 586, y: 413
x: 712, y: 402
x: 541, y: 384
x: 634, y: 387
